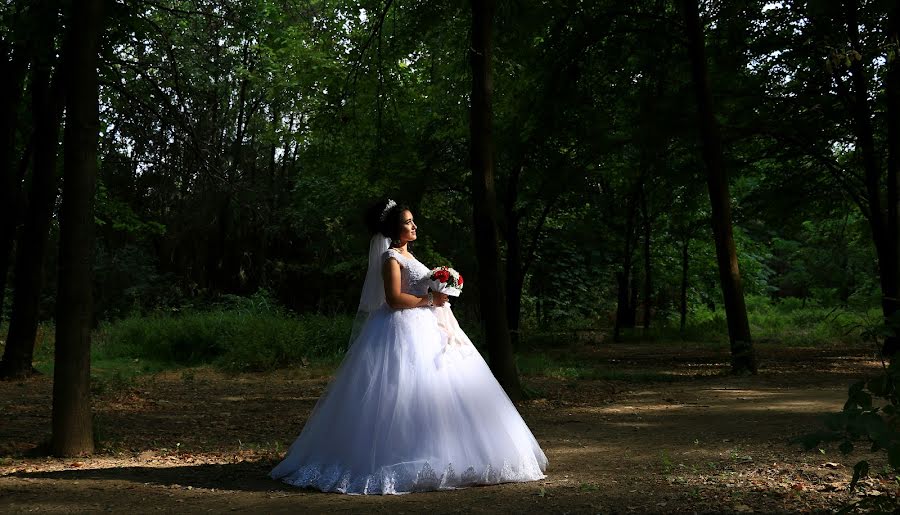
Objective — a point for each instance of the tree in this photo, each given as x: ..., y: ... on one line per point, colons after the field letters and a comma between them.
x: 72, y: 427
x: 13, y: 61
x: 742, y: 355
x: 32, y: 248
x: 892, y: 90
x: 493, y: 311
x: 881, y: 219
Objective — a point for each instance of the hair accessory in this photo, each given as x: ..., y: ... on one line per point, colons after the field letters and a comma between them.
x: 390, y: 204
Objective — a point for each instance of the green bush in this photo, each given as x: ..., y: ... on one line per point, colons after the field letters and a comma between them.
x: 871, y: 414
x: 233, y: 339
x: 789, y: 321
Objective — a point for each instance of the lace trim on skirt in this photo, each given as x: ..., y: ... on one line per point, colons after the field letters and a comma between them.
x: 409, y: 477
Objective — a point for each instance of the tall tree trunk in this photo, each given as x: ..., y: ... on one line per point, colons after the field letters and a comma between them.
x: 633, y: 301
x: 13, y: 69
x: 892, y: 87
x: 493, y: 312
x: 885, y: 241
x: 72, y: 427
x: 648, y: 277
x: 624, y: 308
x: 743, y: 358
x: 685, y: 263
x: 31, y: 250
x: 518, y: 261
x: 514, y: 274
x: 515, y: 278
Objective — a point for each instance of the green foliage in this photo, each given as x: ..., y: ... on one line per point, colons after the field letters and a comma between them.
x: 793, y: 321
x: 242, y: 335
x: 871, y: 413
x: 242, y: 140
x: 788, y: 321
x: 545, y: 365
x: 130, y: 282
x: 121, y: 217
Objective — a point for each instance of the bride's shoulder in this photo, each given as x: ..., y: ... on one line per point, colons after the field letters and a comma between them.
x: 392, y: 254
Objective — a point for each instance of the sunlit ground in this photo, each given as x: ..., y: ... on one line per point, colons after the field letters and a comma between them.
x: 662, y: 429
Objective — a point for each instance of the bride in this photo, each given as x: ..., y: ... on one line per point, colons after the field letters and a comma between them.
x: 413, y: 406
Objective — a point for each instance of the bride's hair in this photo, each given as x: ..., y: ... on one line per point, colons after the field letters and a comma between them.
x: 384, y: 219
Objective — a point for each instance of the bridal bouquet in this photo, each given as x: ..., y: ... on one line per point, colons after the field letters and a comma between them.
x: 447, y: 281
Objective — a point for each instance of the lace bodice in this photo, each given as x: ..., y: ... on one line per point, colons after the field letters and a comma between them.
x: 415, y: 278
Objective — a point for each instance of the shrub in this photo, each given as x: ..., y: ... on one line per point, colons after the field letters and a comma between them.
x: 232, y: 339
x: 871, y: 413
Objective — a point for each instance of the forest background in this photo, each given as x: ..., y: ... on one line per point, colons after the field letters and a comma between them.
x: 239, y: 143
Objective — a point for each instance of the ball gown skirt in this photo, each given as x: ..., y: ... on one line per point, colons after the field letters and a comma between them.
x: 413, y: 407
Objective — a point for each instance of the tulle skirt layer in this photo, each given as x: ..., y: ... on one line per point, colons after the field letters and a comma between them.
x: 413, y: 407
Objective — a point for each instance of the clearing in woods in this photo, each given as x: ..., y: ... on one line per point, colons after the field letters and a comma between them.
x: 642, y: 427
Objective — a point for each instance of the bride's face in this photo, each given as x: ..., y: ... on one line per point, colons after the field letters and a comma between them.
x: 407, y: 227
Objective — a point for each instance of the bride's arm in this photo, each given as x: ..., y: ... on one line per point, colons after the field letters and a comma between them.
x: 395, y: 298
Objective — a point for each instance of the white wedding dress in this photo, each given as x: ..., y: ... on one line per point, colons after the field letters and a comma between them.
x: 413, y: 407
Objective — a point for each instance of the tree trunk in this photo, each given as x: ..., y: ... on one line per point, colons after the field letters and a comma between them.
x: 648, y: 278
x: 515, y: 277
x: 31, y: 250
x: 892, y: 87
x: 633, y: 301
x: 685, y: 244
x: 13, y: 68
x: 624, y: 309
x: 885, y: 241
x: 518, y: 261
x: 493, y: 312
x: 72, y: 428
x: 743, y: 358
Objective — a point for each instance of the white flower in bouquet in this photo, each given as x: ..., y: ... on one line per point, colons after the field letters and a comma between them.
x: 447, y: 281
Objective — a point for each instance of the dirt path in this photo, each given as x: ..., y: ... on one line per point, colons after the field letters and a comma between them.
x: 671, y: 436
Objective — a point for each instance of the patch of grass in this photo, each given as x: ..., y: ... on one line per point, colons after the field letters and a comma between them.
x: 790, y: 322
x: 530, y: 392
x: 666, y: 461
x: 588, y: 487
x: 44, y: 340
x: 234, y: 340
x: 543, y: 365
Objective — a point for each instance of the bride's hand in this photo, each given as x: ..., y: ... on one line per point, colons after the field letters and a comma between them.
x: 439, y: 299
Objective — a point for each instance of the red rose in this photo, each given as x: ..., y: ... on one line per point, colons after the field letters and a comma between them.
x: 441, y: 275
x: 460, y: 280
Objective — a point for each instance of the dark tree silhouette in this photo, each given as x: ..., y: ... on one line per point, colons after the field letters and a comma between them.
x: 493, y: 310
x: 32, y: 247
x: 72, y: 428
x: 743, y: 358
x: 892, y: 90
x: 13, y: 63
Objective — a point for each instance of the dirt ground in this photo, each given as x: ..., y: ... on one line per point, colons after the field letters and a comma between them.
x: 670, y: 433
